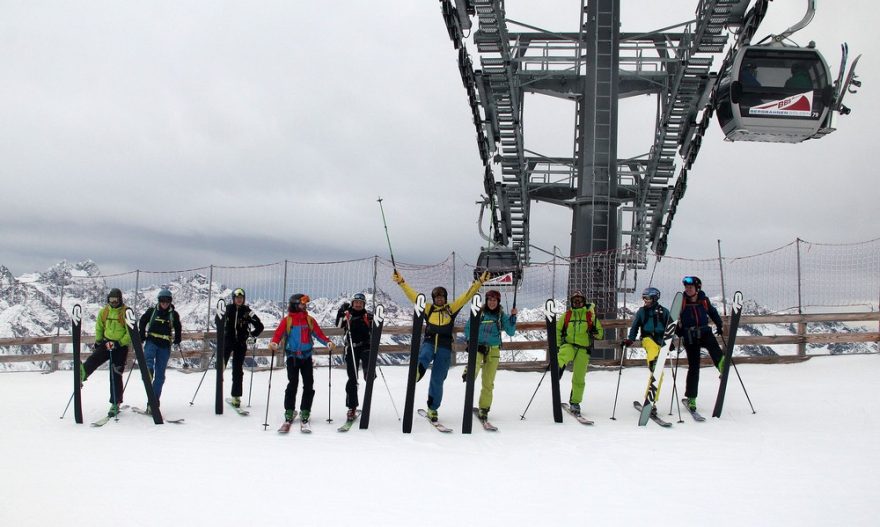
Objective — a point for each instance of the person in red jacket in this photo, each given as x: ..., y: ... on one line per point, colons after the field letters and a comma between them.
x: 298, y: 329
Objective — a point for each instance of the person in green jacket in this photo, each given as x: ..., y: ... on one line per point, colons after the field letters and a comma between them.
x: 575, y: 333
x: 439, y: 325
x: 492, y: 320
x: 111, y: 343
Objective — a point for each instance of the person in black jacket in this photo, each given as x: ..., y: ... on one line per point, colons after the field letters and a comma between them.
x: 159, y: 328
x: 695, y: 333
x: 242, y: 328
x: 357, y: 323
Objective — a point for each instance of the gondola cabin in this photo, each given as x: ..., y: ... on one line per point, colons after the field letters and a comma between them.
x: 774, y: 94
x: 502, y: 263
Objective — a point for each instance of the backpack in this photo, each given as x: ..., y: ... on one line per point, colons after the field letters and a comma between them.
x: 105, y: 313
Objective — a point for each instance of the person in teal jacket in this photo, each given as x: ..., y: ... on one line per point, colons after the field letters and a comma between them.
x: 652, y: 319
x: 575, y: 332
x: 111, y: 343
x: 492, y: 320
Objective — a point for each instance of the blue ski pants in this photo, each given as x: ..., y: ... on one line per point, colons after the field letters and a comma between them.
x: 157, y: 360
x: 440, y: 357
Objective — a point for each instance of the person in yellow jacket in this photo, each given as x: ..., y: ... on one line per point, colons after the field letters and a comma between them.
x: 111, y: 343
x: 575, y: 333
x: 437, y: 345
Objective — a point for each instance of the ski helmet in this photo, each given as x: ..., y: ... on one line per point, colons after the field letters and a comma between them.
x: 493, y: 293
x: 115, y: 293
x: 651, y: 292
x: 692, y: 280
x: 578, y: 294
x: 297, y: 302
x: 238, y: 292
x: 164, y: 294
x: 439, y: 291
x: 359, y: 296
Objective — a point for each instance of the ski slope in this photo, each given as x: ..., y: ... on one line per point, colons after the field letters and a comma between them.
x: 807, y: 457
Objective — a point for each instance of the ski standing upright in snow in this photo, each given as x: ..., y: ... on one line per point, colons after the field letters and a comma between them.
x: 552, y: 356
x: 655, y: 375
x: 467, y: 419
x: 220, y: 364
x: 76, y: 339
x: 736, y: 312
x: 415, y: 344
x: 142, y: 365
x: 375, y: 339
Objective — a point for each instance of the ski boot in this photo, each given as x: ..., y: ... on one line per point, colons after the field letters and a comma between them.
x: 352, y: 413
x: 692, y: 404
x: 114, y: 410
x: 432, y: 415
x: 575, y: 408
x: 236, y: 402
x: 304, y: 416
x: 288, y: 416
x: 483, y: 414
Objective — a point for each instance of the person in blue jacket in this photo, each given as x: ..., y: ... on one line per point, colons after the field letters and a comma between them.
x: 493, y: 320
x: 695, y: 333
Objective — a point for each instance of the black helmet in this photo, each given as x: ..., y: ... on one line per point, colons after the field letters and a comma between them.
x: 238, y: 292
x: 115, y: 293
x: 297, y: 301
x: 359, y: 296
x: 692, y: 280
x: 439, y: 291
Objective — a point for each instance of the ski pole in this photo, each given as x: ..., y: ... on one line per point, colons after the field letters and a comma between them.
x: 269, y: 390
x: 394, y: 265
x: 200, y: 383
x: 127, y: 377
x: 389, y: 392
x: 619, y: 375
x: 182, y: 357
x: 723, y: 341
x: 68, y: 406
x: 523, y: 416
x: 743, y: 385
x: 113, y: 384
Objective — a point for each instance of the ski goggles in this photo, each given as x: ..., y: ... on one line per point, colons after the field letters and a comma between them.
x: 689, y: 280
x: 113, y: 300
x: 238, y: 292
x: 305, y: 299
x: 165, y: 300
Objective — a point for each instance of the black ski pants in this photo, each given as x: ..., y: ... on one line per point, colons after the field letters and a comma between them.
x: 118, y: 358
x: 238, y: 351
x: 295, y: 368
x: 692, y: 344
x: 361, y: 359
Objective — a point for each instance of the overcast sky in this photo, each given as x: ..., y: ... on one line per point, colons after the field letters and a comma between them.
x: 167, y: 135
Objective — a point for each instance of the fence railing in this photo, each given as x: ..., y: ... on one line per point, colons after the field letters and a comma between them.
x: 802, y: 337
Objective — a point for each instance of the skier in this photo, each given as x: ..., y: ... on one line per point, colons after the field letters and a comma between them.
x: 575, y: 333
x: 356, y: 321
x: 492, y: 320
x: 652, y: 319
x: 439, y: 325
x: 111, y: 343
x: 242, y: 328
x: 159, y: 327
x: 298, y: 329
x: 693, y: 328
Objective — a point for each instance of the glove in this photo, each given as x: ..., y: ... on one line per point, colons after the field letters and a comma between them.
x: 273, y: 346
x: 396, y: 277
x: 331, y: 346
x: 464, y: 375
x: 251, y: 341
x: 627, y: 342
x: 594, y: 333
x: 485, y: 277
x: 719, y: 331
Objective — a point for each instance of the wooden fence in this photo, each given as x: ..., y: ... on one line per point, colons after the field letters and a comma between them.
x: 800, y: 338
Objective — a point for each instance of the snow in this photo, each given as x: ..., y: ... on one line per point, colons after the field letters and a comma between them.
x: 807, y: 457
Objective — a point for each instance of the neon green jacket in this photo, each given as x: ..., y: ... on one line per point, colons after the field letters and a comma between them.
x: 114, y: 327
x: 580, y: 324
